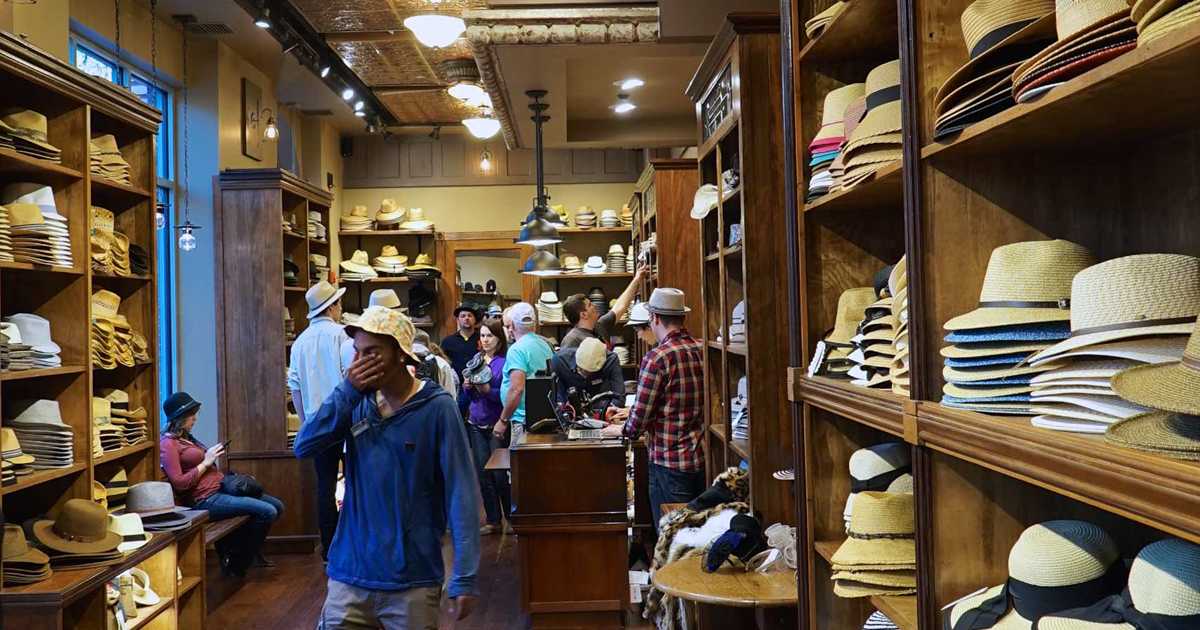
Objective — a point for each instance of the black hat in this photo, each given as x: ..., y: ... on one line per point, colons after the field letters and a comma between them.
x: 470, y: 308
x: 179, y: 405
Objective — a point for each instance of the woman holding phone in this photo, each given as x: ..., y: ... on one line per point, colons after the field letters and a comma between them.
x: 192, y: 469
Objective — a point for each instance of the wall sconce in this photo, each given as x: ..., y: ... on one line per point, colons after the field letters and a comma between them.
x: 271, y: 130
x: 485, y: 161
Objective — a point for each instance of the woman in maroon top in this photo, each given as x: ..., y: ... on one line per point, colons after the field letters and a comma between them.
x: 193, y: 472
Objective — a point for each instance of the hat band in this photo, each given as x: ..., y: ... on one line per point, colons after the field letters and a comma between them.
x: 878, y: 482
x: 133, y: 537
x: 1119, y: 608
x: 1144, y: 323
x: 997, y: 36
x: 1034, y: 602
x: 74, y: 537
x: 881, y: 536
x: 1063, y: 304
x: 1191, y: 362
x: 882, y: 97
x: 30, y: 134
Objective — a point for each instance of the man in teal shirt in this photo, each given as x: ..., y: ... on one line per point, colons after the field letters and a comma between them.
x: 528, y: 355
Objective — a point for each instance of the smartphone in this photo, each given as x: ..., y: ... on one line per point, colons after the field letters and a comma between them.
x: 225, y: 444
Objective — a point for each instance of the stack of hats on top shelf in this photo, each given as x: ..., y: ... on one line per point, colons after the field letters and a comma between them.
x: 1156, y: 19
x: 358, y: 267
x: 42, y: 433
x: 616, y: 259
x: 827, y: 145
x: 626, y: 216
x: 1024, y: 307
x: 739, y: 411
x: 549, y: 309
x: 21, y: 563
x: 609, y: 218
x: 318, y: 267
x: 388, y: 215
x: 389, y: 262
x: 110, y: 248
x: 132, y: 421
x: 1125, y: 313
x: 595, y: 264
x: 113, y: 340
x: 1000, y: 35
x: 876, y: 140
x: 879, y: 557
x: 596, y: 296
x: 31, y: 345
x: 355, y: 220
x: 839, y: 342
x: 884, y: 467
x: 78, y: 536
x: 1089, y: 34
x: 816, y: 25
x: 292, y: 427
x: 316, y: 228
x: 874, y: 343
x: 105, y: 159
x: 106, y: 436
x: 40, y: 235
x: 16, y: 461
x: 898, y: 287
x: 620, y: 349
x: 6, y: 252
x: 416, y: 220
x: 26, y: 131
x: 585, y: 218
x: 289, y: 325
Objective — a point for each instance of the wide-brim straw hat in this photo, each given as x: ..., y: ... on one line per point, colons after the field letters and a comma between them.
x: 1170, y: 387
x: 991, y: 349
x: 881, y: 531
x: 975, y: 374
x: 1161, y: 432
x: 815, y: 25
x: 1094, y: 406
x: 852, y: 589
x: 989, y: 26
x: 1161, y: 349
x: 1134, y: 296
x: 836, y: 102
x: 1154, y: 28
x: 359, y: 262
x: 1026, y: 283
x: 1099, y: 370
x: 1076, y: 21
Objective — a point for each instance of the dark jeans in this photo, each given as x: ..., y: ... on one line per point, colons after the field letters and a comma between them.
x: 668, y: 485
x: 240, y: 547
x: 327, y: 513
x: 493, y: 484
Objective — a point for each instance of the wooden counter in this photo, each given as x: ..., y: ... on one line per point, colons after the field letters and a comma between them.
x: 571, y: 523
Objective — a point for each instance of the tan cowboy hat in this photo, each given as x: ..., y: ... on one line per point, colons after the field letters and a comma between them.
x: 320, y: 296
x: 359, y: 262
x: 29, y: 126
x: 881, y: 532
x: 1134, y: 296
x: 1026, y: 283
x: 80, y: 528
x: 106, y: 305
x: 416, y: 220
x: 836, y: 102
x: 667, y: 301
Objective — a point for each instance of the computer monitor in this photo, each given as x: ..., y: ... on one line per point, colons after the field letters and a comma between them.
x: 538, y: 394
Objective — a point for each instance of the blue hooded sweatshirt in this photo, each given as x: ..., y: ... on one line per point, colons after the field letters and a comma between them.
x: 406, y: 476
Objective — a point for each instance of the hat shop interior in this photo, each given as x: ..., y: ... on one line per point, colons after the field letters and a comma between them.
x: 949, y: 247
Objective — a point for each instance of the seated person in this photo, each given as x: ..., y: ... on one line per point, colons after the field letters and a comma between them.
x: 589, y: 369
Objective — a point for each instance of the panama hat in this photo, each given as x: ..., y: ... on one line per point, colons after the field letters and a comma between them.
x: 639, y: 315
x: 80, y: 527
x: 1135, y: 296
x: 667, y: 301
x: 359, y: 263
x: 321, y: 295
x: 836, y: 102
x: 1169, y: 386
x: 379, y: 320
x: 388, y: 213
x: 1077, y: 22
x: 1026, y: 283
x: 29, y: 126
x: 423, y: 262
x: 129, y: 527
x: 881, y: 532
x: 386, y: 298
x: 816, y: 25
x: 851, y: 305
x: 416, y: 220
x: 874, y: 141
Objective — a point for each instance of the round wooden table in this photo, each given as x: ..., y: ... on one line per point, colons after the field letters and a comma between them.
x: 729, y: 586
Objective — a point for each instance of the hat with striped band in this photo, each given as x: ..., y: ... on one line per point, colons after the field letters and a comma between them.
x: 836, y: 102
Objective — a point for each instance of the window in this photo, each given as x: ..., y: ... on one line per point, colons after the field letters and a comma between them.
x: 95, y: 64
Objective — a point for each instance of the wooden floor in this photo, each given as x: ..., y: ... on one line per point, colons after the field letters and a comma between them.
x: 289, y: 596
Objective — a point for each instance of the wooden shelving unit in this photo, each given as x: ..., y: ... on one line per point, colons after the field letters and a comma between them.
x: 408, y: 242
x: 1057, y: 167
x: 736, y: 92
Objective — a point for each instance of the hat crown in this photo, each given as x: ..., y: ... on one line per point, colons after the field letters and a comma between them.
x: 14, y: 542
x: 387, y: 205
x: 866, y: 463
x: 26, y: 119
x: 548, y: 297
x: 882, y: 513
x: 389, y: 250
x: 319, y: 293
x: 129, y: 524
x: 386, y: 298
x: 1165, y: 578
x: 423, y: 259
x: 81, y: 519
x: 1143, y: 287
x: 361, y: 257
x: 984, y: 17
x: 902, y: 484
x: 591, y: 355
x: 638, y: 314
x: 29, y: 192
x: 24, y: 214
x: 358, y: 211
x: 150, y: 496
x: 837, y: 100
x: 40, y: 411
x: 105, y: 303
x: 107, y: 143
x: 1061, y: 553
x: 1075, y: 16
x: 9, y: 441
x: 883, y: 77
x: 851, y: 306
x: 1034, y: 271
x: 10, y: 330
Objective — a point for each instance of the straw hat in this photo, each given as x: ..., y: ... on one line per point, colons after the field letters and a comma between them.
x: 882, y: 91
x: 873, y: 461
x: 416, y: 220
x: 704, y: 201
x: 320, y: 296
x: 1163, y: 432
x: 423, y: 262
x: 388, y: 213
x: 836, y: 102
x: 1170, y: 387
x: 359, y: 262
x: 1134, y: 296
x: 30, y: 126
x: 1026, y: 283
x: 1154, y: 27
x: 881, y: 531
x: 816, y: 25
x: 1076, y: 22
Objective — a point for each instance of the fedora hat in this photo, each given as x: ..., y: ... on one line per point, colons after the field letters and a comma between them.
x: 359, y: 263
x: 81, y: 527
x: 416, y: 220
x: 37, y: 194
x: 38, y: 413
x: 1026, y: 283
x: 1134, y: 296
x: 881, y: 533
x: 16, y: 550
x: 388, y: 213
x: 10, y: 448
x: 390, y: 255
x: 150, y: 499
x: 30, y: 126
x: 129, y: 527
x: 321, y: 295
x: 35, y: 332
x: 386, y: 298
x: 423, y: 262
x: 852, y: 303
x: 667, y: 301
x: 384, y: 321
x: 639, y: 315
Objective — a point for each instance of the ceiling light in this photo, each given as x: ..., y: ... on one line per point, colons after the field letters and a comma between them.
x: 483, y: 126
x: 360, y: 113
x: 542, y: 263
x: 624, y: 105
x: 359, y: 105
x: 470, y: 93
x: 347, y: 94
x: 631, y: 83
x: 324, y: 71
x: 264, y: 18
x: 434, y: 30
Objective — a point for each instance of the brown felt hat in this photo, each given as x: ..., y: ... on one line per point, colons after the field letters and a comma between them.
x: 81, y: 528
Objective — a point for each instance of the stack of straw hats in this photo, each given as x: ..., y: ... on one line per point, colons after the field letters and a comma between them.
x: 110, y: 248
x: 106, y: 436
x: 595, y: 264
x: 116, y: 488
x: 422, y: 268
x: 875, y: 341
x: 571, y: 264
x: 39, y: 234
x: 356, y: 220
x: 389, y: 261
x: 1090, y: 32
x: 626, y: 216
x: 816, y: 25
x: 16, y: 461
x: 549, y: 308
x: 318, y: 267
x: 131, y: 420
x: 1024, y: 307
x: 609, y: 218
x: 884, y: 467
x: 827, y: 145
x: 316, y: 226
x: 616, y: 258
x: 358, y: 267
x: 1053, y: 566
x: 1125, y: 312
x: 26, y: 131
x: 875, y: 142
x: 6, y: 253
x: 389, y: 214
x: 105, y: 159
x: 898, y: 287
x: 1163, y: 590
x: 585, y: 218
x: 112, y: 336
x: 78, y: 536
x: 838, y: 346
x: 42, y: 433
x: 1156, y: 18
x: 22, y: 564
x: 1000, y: 35
x: 31, y: 345
x: 416, y: 220
x: 879, y: 556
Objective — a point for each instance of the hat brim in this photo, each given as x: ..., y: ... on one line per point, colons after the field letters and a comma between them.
x: 20, y: 460
x: 43, y: 533
x: 899, y: 552
x: 129, y: 545
x: 992, y: 317
x: 1069, y: 425
x: 851, y: 589
x: 1167, y: 387
x: 1084, y: 370
x: 184, y: 411
x: 416, y: 225
x: 666, y: 311
x: 967, y: 376
x: 990, y: 349
x: 1063, y: 623
x: 1041, y: 27
x: 320, y: 308
x: 1160, y: 432
x: 1107, y: 336
x: 1095, y: 406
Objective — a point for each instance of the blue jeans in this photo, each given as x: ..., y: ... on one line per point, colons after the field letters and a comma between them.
x: 493, y: 484
x: 239, y: 549
x: 668, y: 485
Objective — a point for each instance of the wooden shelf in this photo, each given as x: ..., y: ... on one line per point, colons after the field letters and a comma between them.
x: 866, y: 29
x: 24, y: 266
x: 737, y: 445
x: 883, y: 193
x: 295, y: 289
x: 901, y: 610
x: 130, y: 279
x: 573, y: 276
x: 595, y: 230
x: 1156, y: 491
x: 18, y: 165
x: 106, y: 192
x: 293, y: 235
x: 112, y: 456
x: 318, y: 241
x: 385, y: 233
x: 1118, y: 102
x: 42, y: 476
x: 146, y: 615
x: 879, y: 409
x: 64, y: 586
x: 42, y: 373
x: 188, y: 584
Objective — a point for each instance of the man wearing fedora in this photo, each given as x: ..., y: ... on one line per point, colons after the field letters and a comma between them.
x: 462, y: 346
x: 668, y: 406
x: 314, y: 370
x: 585, y: 317
x: 409, y: 475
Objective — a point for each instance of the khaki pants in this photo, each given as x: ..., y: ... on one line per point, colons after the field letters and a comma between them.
x: 353, y: 608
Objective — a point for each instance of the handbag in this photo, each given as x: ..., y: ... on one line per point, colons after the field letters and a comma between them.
x: 241, y: 485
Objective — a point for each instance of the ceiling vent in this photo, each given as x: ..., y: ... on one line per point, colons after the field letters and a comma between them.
x: 204, y: 29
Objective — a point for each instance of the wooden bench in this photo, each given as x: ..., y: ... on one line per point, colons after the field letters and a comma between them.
x: 216, y: 530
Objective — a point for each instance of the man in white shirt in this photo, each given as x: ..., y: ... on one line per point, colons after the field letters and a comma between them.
x: 314, y: 371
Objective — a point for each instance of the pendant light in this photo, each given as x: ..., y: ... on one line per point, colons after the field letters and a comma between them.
x: 435, y: 30
x: 483, y: 125
x: 465, y: 86
x: 542, y: 262
x: 187, y: 231
x: 539, y: 231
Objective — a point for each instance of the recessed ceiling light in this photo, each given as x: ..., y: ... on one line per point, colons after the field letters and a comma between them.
x: 360, y: 113
x: 631, y: 83
x: 324, y: 71
x: 359, y: 105
x: 347, y: 94
x: 623, y: 106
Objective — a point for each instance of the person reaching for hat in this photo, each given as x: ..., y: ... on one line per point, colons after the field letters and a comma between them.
x: 586, y: 320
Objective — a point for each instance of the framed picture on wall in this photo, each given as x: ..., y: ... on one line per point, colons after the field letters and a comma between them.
x: 252, y: 136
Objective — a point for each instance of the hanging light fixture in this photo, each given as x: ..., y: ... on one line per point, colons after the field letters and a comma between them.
x: 435, y: 30
x: 483, y: 125
x: 463, y: 76
x: 264, y: 18
x: 270, y: 130
x: 485, y: 160
x: 624, y: 105
x: 539, y: 231
x: 542, y: 262
x: 187, y: 231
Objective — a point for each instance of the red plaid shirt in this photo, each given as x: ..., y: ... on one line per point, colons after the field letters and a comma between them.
x: 669, y: 405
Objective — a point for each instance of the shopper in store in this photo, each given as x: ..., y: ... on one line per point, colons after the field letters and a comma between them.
x: 434, y: 365
x: 528, y: 355
x: 583, y: 373
x: 408, y: 475
x: 191, y: 467
x: 485, y: 407
x: 463, y: 345
x: 585, y: 317
x: 639, y: 320
x: 314, y: 370
x: 668, y: 406
x: 379, y: 297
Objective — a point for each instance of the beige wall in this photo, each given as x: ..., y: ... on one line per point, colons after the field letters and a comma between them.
x: 44, y: 24
x: 99, y: 15
x: 231, y: 69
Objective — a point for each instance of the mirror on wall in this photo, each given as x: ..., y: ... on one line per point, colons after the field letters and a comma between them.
x: 480, y: 268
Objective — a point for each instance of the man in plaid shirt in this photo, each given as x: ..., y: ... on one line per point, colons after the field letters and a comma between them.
x: 669, y: 405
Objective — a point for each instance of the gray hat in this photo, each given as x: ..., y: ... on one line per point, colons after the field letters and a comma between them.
x: 667, y: 301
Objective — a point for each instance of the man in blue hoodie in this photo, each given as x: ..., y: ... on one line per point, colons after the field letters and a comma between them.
x: 408, y: 473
